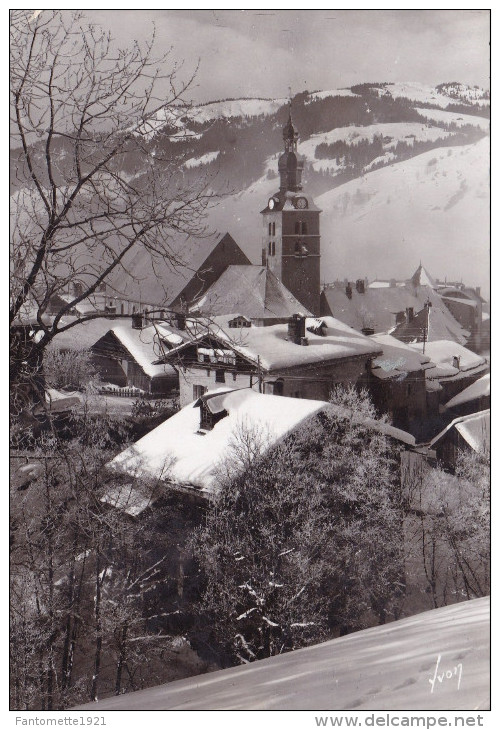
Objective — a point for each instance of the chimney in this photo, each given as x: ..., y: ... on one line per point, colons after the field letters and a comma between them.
x: 456, y: 361
x: 348, y: 290
x: 478, y: 291
x: 297, y: 329
x: 400, y: 317
x: 137, y: 321
x: 180, y: 320
x: 360, y: 286
x: 409, y: 314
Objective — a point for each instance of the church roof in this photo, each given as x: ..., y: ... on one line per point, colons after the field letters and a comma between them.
x: 253, y: 291
x: 157, y: 281
x: 421, y: 277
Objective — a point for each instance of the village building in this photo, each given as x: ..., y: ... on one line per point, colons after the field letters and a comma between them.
x: 466, y: 433
x: 125, y: 355
x: 398, y: 386
x: 123, y: 351
x: 305, y: 358
x: 390, y: 307
x: 474, y: 398
x: 187, y: 452
x: 455, y: 367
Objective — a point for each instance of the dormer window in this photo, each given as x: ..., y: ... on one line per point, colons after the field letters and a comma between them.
x: 211, y: 410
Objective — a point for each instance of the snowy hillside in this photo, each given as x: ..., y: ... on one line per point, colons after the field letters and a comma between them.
x: 433, y: 207
x: 387, y: 667
x: 441, y: 95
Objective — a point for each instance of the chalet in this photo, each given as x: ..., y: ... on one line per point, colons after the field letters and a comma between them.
x: 125, y: 356
x: 186, y: 452
x: 254, y: 291
x: 466, y: 433
x: 302, y: 359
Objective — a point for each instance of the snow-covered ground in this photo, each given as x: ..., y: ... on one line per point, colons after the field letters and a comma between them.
x: 437, y: 660
x: 203, y: 160
x: 409, y: 132
x: 416, y: 91
x: 235, y: 108
x: 440, y: 115
x: 316, y: 95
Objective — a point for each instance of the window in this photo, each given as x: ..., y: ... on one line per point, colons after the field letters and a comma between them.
x: 198, y: 391
x: 300, y: 228
x: 220, y: 376
x: 270, y: 228
x: 269, y: 248
x: 273, y: 248
x: 273, y: 231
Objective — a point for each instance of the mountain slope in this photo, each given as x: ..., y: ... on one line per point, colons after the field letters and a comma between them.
x: 433, y: 207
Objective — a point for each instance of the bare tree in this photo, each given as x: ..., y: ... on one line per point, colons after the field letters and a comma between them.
x: 82, y: 108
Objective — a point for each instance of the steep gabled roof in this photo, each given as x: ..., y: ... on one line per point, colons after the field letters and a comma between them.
x: 474, y: 429
x: 253, y: 291
x: 432, y: 324
x: 157, y: 281
x: 421, y: 277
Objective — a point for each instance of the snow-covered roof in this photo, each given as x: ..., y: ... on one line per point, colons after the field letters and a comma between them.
x: 177, y: 452
x: 270, y: 345
x: 84, y: 334
x: 377, y: 307
x: 384, y: 668
x: 57, y: 401
x: 479, y: 389
x: 144, y: 346
x: 250, y: 290
x: 443, y: 353
x: 397, y: 358
x: 474, y: 429
x: 161, y: 281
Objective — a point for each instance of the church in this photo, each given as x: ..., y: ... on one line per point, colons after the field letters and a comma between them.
x: 288, y: 279
x: 291, y: 234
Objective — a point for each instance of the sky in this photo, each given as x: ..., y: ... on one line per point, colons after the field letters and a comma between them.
x: 264, y: 52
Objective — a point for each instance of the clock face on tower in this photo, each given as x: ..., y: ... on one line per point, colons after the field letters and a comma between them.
x: 271, y: 203
x: 301, y: 203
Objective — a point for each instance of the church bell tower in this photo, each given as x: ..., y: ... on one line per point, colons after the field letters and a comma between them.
x: 291, y: 235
